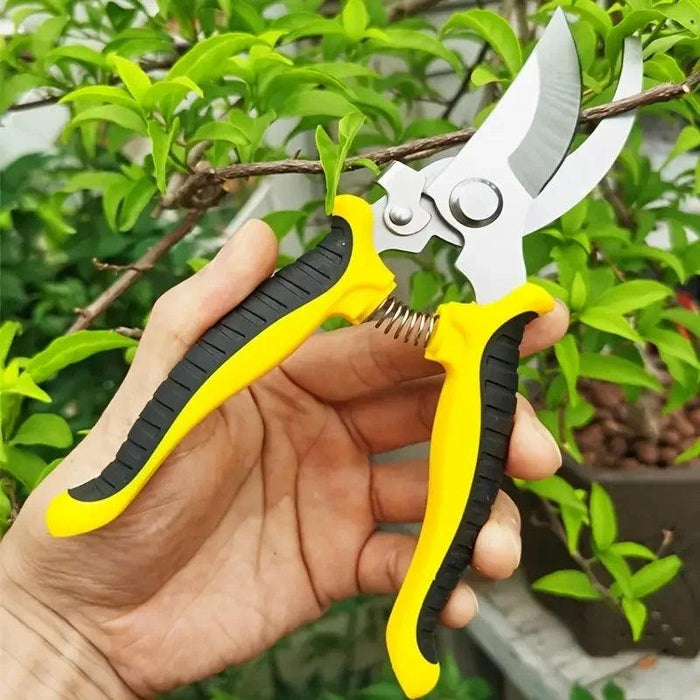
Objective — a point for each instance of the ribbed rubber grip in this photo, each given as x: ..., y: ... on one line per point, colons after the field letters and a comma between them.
x: 499, y: 384
x: 290, y: 288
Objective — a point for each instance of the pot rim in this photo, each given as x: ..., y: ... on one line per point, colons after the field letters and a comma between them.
x: 591, y: 472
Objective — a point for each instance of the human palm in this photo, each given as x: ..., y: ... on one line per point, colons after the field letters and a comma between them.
x: 268, y: 511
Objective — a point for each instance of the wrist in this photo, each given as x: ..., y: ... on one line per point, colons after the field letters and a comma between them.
x: 42, y: 655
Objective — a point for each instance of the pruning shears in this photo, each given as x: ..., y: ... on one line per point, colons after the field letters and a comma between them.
x: 513, y: 177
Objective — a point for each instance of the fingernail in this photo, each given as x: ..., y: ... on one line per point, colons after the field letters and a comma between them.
x: 549, y: 438
x: 476, y: 602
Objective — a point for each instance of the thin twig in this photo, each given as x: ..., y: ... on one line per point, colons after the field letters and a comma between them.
x: 585, y: 564
x: 406, y: 8
x: 419, y: 148
x: 462, y: 89
x: 111, y: 267
x: 88, y: 314
x: 135, y: 333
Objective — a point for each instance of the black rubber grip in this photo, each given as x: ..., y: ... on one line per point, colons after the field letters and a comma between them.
x: 499, y: 384
x: 314, y: 273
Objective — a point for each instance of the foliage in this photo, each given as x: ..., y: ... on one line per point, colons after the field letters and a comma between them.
x: 610, y: 692
x: 153, y: 98
x: 322, y: 662
x: 587, y: 525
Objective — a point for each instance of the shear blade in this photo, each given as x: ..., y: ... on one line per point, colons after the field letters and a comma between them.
x: 583, y: 169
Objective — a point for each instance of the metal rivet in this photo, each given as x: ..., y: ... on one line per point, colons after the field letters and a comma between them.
x: 400, y: 216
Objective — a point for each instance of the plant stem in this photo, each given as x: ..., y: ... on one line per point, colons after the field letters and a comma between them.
x: 584, y: 564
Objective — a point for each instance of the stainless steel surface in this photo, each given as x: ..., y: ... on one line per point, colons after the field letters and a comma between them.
x: 509, y: 179
x: 583, y: 169
x: 413, y: 325
x: 552, y: 129
x: 491, y: 258
x: 403, y: 214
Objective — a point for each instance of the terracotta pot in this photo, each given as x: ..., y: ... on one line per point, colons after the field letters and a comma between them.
x: 648, y: 502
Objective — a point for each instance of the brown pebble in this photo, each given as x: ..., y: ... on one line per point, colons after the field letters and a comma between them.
x: 590, y: 457
x: 590, y: 437
x: 647, y: 452
x: 694, y: 417
x: 618, y: 446
x: 621, y: 412
x: 607, y: 395
x: 685, y: 427
x: 629, y: 463
x: 604, y: 414
x: 612, y: 427
x: 667, y: 455
x: 671, y: 437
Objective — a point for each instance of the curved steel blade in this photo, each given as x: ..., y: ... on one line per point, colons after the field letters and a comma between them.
x: 583, y: 169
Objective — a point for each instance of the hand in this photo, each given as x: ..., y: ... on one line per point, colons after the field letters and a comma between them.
x: 268, y: 511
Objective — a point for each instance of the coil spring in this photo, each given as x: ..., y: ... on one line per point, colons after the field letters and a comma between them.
x: 414, y: 325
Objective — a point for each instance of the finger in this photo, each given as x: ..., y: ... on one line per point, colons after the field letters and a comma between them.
x: 399, y: 490
x: 403, y: 415
x: 382, y: 567
x: 351, y: 362
x: 185, y: 312
x: 498, y: 546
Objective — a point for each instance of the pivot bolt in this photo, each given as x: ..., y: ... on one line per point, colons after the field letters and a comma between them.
x: 476, y: 202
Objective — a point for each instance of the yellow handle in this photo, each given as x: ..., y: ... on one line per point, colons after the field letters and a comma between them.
x: 478, y: 347
x: 343, y: 278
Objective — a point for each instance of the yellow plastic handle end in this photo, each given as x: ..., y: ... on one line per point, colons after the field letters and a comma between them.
x: 459, y: 343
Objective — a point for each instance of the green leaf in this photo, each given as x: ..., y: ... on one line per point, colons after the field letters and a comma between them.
x: 221, y: 131
x: 609, y: 368
x: 102, y: 93
x: 612, y: 692
x: 603, y: 518
x: 135, y: 202
x: 123, y: 116
x: 688, y: 139
x: 578, y: 292
x: 204, y: 60
x: 355, y: 19
x: 568, y: 583
x: 610, y: 322
x: 555, y: 489
x: 580, y: 693
x: 491, y: 27
x: 655, y: 575
x: 5, y: 511
x: 692, y: 452
x: 587, y: 10
x: 650, y: 253
x: 44, y: 429
x: 484, y: 74
x: 24, y: 465
x: 92, y: 180
x: 317, y: 103
x: 636, y: 615
x: 160, y: 149
x: 167, y: 94
x: 619, y: 569
x: 69, y: 349
x: 637, y: 19
x: 425, y: 286
x: 573, y: 521
x: 633, y: 295
x: 24, y: 385
x: 133, y: 76
x: 413, y: 40
x: 674, y: 344
x: 8, y: 330
x: 632, y: 550
x: 78, y: 53
x: 113, y: 198
x: 685, y: 12
x: 282, y: 222
x: 333, y: 156
x: 567, y: 356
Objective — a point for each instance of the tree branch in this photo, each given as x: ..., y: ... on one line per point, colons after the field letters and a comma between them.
x: 87, y: 315
x: 412, y: 150
x: 212, y: 182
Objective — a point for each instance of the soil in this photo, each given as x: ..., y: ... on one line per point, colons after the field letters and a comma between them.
x: 630, y: 436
